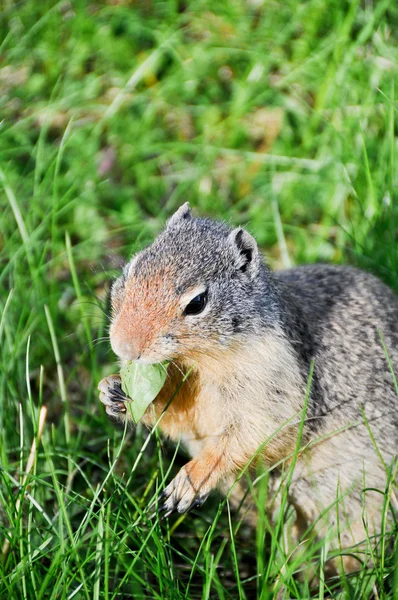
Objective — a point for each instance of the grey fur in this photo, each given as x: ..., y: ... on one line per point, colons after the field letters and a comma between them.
x: 337, y: 316
x: 332, y: 316
x: 205, y: 251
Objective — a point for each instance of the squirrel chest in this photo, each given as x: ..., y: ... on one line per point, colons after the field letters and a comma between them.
x: 251, y: 389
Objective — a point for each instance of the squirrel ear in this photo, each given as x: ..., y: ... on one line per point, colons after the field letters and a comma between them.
x: 247, y: 255
x: 182, y: 214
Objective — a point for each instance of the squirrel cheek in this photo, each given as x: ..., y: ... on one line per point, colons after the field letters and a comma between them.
x: 168, y: 338
x: 166, y: 343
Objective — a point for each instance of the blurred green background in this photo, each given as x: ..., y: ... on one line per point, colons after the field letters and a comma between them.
x: 277, y: 115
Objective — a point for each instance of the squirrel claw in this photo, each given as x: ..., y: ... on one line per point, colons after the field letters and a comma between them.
x: 181, y: 506
x: 161, y: 506
x: 196, y: 503
x: 113, y: 397
x: 167, y: 514
x: 157, y: 500
x: 162, y: 496
x: 181, y: 496
x: 161, y: 509
x: 117, y: 392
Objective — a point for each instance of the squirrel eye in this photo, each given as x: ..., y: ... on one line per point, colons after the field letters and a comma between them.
x: 196, y: 305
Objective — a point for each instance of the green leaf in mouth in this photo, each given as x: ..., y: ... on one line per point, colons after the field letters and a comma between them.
x: 142, y: 383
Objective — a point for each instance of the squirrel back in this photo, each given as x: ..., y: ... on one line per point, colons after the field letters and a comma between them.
x: 346, y: 321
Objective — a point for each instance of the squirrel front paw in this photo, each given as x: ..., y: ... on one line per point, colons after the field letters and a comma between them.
x: 113, y: 397
x: 183, y: 493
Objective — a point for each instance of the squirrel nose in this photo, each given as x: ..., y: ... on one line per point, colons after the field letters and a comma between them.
x: 125, y: 349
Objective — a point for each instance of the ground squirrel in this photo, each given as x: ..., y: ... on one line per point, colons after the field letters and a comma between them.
x: 202, y: 297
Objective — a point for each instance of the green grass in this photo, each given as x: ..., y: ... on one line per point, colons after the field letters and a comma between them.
x: 278, y: 115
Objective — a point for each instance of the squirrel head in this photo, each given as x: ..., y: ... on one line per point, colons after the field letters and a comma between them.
x: 194, y: 291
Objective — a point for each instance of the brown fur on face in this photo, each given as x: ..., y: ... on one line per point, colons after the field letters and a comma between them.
x: 148, y: 308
